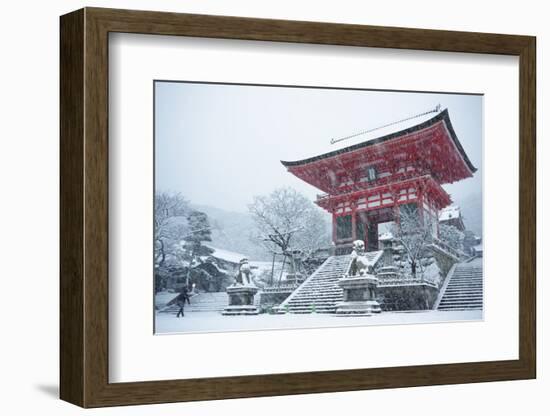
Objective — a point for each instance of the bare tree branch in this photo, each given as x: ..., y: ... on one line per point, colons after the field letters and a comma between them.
x: 286, y: 220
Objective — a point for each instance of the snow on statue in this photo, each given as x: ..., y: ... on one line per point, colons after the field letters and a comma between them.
x: 360, y: 265
x: 244, y: 275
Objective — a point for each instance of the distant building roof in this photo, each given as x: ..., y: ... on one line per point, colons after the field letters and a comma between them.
x: 451, y: 216
x: 226, y: 255
x: 451, y: 212
x: 235, y: 258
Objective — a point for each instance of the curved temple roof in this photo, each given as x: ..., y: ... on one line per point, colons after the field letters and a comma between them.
x: 442, y: 116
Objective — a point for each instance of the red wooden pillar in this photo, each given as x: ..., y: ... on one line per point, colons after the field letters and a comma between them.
x: 396, y: 209
x: 353, y: 222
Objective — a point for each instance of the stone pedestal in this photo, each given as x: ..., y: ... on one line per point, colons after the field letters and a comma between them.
x: 359, y: 296
x: 241, y: 300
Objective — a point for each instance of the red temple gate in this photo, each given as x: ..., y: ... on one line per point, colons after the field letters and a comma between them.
x: 372, y: 182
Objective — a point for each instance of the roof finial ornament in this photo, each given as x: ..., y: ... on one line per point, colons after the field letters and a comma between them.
x: 437, y: 109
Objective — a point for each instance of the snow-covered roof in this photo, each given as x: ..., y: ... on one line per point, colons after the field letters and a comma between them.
x: 385, y: 236
x: 390, y: 131
x: 478, y: 248
x: 226, y: 255
x: 234, y: 257
x: 375, y: 128
x: 449, y: 213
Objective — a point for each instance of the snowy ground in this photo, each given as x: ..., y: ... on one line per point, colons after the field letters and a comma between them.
x: 215, y: 322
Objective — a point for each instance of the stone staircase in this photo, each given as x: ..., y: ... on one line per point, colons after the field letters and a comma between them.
x: 202, y: 302
x: 464, y: 288
x: 320, y: 292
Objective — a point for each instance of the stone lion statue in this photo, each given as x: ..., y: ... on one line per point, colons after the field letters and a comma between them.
x: 359, y: 262
x: 244, y: 275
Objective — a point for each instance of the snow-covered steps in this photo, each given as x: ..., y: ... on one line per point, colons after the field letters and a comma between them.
x: 464, y: 289
x: 203, y: 302
x: 320, y: 292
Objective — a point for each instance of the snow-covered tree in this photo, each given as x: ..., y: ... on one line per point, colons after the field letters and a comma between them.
x: 179, y: 235
x: 171, y: 210
x: 452, y: 236
x: 189, y: 251
x: 287, y: 221
x: 470, y: 240
x: 414, y: 234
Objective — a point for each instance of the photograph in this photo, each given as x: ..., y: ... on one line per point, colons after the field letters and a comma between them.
x: 293, y: 207
x: 257, y: 205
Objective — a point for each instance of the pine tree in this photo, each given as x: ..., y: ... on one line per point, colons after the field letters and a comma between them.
x: 198, y: 231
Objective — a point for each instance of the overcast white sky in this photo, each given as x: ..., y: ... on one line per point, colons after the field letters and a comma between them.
x: 221, y: 144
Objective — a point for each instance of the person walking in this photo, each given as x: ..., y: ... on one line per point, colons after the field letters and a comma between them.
x: 182, y: 297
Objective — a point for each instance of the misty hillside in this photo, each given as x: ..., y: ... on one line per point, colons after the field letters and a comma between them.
x: 472, y: 211
x: 232, y: 231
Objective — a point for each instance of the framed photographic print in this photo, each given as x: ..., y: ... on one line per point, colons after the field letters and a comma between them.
x: 255, y: 207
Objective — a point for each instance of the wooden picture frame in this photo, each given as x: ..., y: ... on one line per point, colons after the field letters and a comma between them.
x: 84, y: 207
